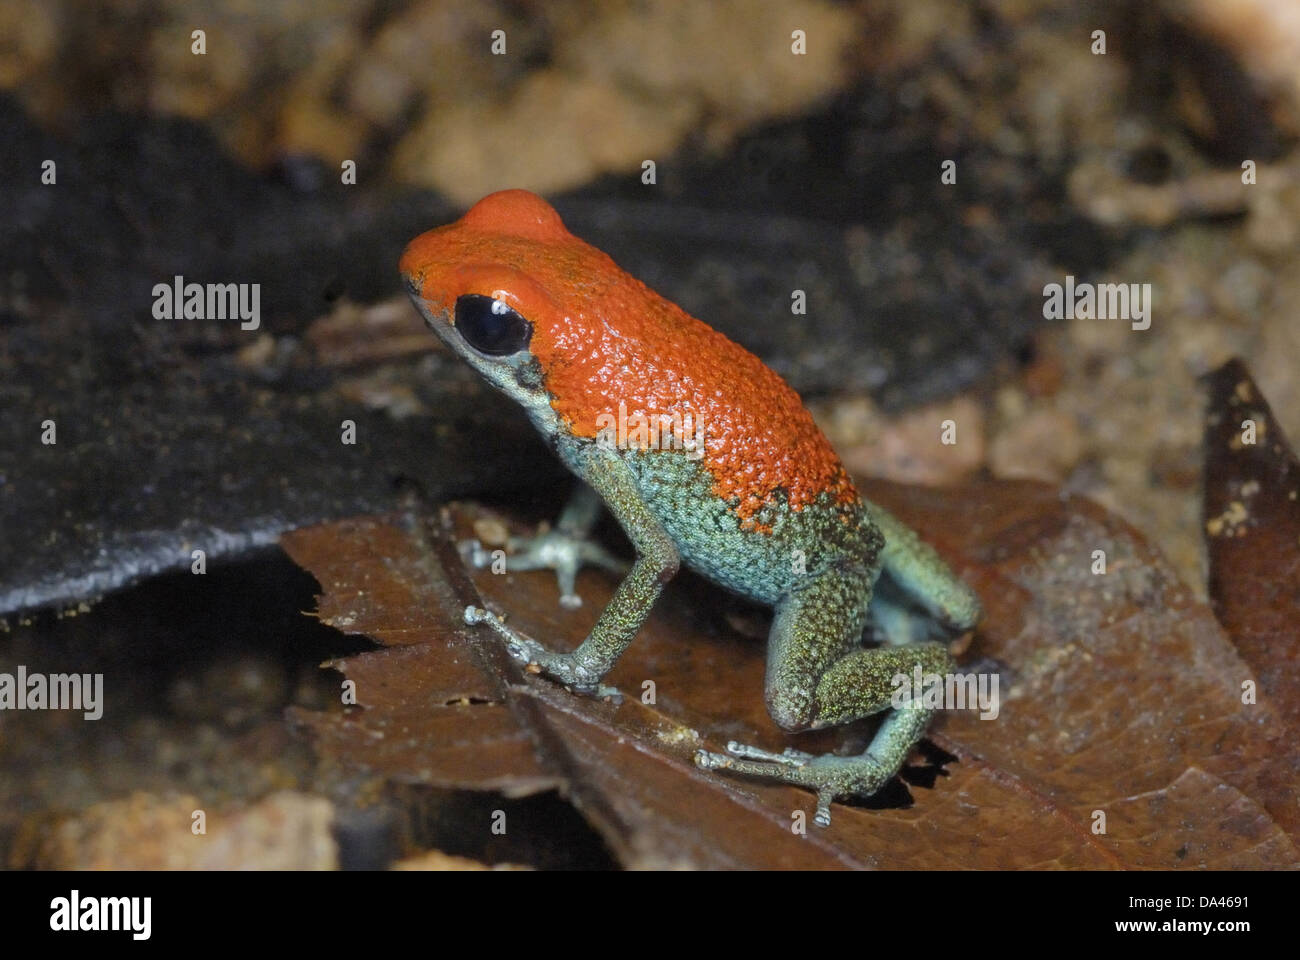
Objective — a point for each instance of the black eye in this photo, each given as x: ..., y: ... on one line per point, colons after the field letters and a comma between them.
x: 491, y: 327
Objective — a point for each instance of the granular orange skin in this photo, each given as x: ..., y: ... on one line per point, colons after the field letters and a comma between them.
x: 601, y: 337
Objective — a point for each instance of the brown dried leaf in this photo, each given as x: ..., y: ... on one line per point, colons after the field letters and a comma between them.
x: 1120, y: 694
x: 432, y: 714
x: 1252, y: 528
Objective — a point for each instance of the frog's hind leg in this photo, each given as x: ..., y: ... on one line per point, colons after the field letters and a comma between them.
x: 917, y: 597
x: 819, y: 675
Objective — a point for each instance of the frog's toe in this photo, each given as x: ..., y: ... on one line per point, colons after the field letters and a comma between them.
x: 822, y: 815
x: 750, y: 761
x: 522, y: 648
x: 789, y: 756
x: 474, y: 553
x: 708, y: 760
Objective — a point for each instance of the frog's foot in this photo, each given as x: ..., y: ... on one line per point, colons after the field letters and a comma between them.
x: 832, y: 777
x: 564, y: 667
x: 565, y: 553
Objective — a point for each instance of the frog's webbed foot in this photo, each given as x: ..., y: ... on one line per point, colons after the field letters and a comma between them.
x: 560, y: 550
x: 832, y: 777
x: 564, y: 667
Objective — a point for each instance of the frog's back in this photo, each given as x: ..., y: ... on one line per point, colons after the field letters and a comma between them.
x: 621, y: 350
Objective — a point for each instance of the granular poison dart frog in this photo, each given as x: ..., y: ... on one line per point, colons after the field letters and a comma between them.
x: 761, y: 506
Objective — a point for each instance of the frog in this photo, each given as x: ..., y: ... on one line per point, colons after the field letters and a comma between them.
x: 753, y: 498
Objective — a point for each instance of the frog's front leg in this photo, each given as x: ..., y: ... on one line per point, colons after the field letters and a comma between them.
x: 566, y: 549
x: 656, y: 563
x: 819, y: 676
